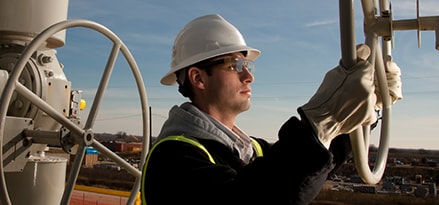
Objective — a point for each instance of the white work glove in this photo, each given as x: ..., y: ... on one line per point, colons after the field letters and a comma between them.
x: 344, y: 101
x: 393, y: 75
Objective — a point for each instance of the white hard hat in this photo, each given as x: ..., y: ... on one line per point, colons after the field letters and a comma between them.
x: 203, y: 38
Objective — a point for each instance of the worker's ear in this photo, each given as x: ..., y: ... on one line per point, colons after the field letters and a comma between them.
x: 196, y: 77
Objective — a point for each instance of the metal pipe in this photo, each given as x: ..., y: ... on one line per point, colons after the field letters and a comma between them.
x: 347, y: 33
x: 43, y: 137
x: 427, y: 23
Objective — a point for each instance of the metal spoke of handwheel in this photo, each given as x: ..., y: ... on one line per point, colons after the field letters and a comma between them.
x: 82, y: 136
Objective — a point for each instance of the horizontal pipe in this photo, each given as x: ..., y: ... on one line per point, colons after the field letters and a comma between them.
x: 43, y: 137
x: 427, y: 23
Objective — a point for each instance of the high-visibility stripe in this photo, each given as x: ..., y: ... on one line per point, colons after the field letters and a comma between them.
x: 257, y: 148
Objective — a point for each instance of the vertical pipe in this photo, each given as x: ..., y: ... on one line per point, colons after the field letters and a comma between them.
x: 347, y: 33
x: 387, y: 43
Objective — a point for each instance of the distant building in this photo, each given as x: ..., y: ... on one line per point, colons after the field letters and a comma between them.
x: 365, y: 188
x: 128, y: 147
x: 91, y: 156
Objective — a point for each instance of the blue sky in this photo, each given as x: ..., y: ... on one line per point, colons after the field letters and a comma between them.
x: 299, y: 41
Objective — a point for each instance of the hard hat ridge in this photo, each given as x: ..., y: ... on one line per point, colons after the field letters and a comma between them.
x: 203, y: 38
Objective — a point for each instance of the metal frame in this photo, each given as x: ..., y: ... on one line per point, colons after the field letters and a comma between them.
x: 81, y: 136
x: 375, y: 27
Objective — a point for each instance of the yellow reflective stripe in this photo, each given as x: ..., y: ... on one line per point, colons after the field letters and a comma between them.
x: 257, y: 147
x: 177, y: 138
x: 192, y: 142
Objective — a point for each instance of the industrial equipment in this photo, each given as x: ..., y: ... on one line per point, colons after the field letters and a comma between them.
x: 39, y: 107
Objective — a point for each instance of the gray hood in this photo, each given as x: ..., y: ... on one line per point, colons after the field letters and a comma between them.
x: 188, y: 120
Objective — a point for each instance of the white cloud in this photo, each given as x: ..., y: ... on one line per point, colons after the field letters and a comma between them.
x: 322, y: 23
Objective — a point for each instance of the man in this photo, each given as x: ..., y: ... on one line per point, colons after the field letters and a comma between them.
x: 202, y: 157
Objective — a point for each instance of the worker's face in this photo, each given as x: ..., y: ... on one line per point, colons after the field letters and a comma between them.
x: 227, y: 89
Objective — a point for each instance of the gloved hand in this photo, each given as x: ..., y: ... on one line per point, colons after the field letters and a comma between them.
x: 393, y: 75
x: 344, y: 101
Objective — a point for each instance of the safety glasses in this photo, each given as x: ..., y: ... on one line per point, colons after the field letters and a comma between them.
x: 235, y: 64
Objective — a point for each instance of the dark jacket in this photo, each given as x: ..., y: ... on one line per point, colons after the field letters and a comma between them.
x: 292, y: 171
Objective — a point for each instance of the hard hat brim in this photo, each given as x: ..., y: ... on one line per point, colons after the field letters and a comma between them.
x: 171, y: 79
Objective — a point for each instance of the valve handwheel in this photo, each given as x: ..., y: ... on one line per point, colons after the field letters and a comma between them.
x: 81, y: 136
